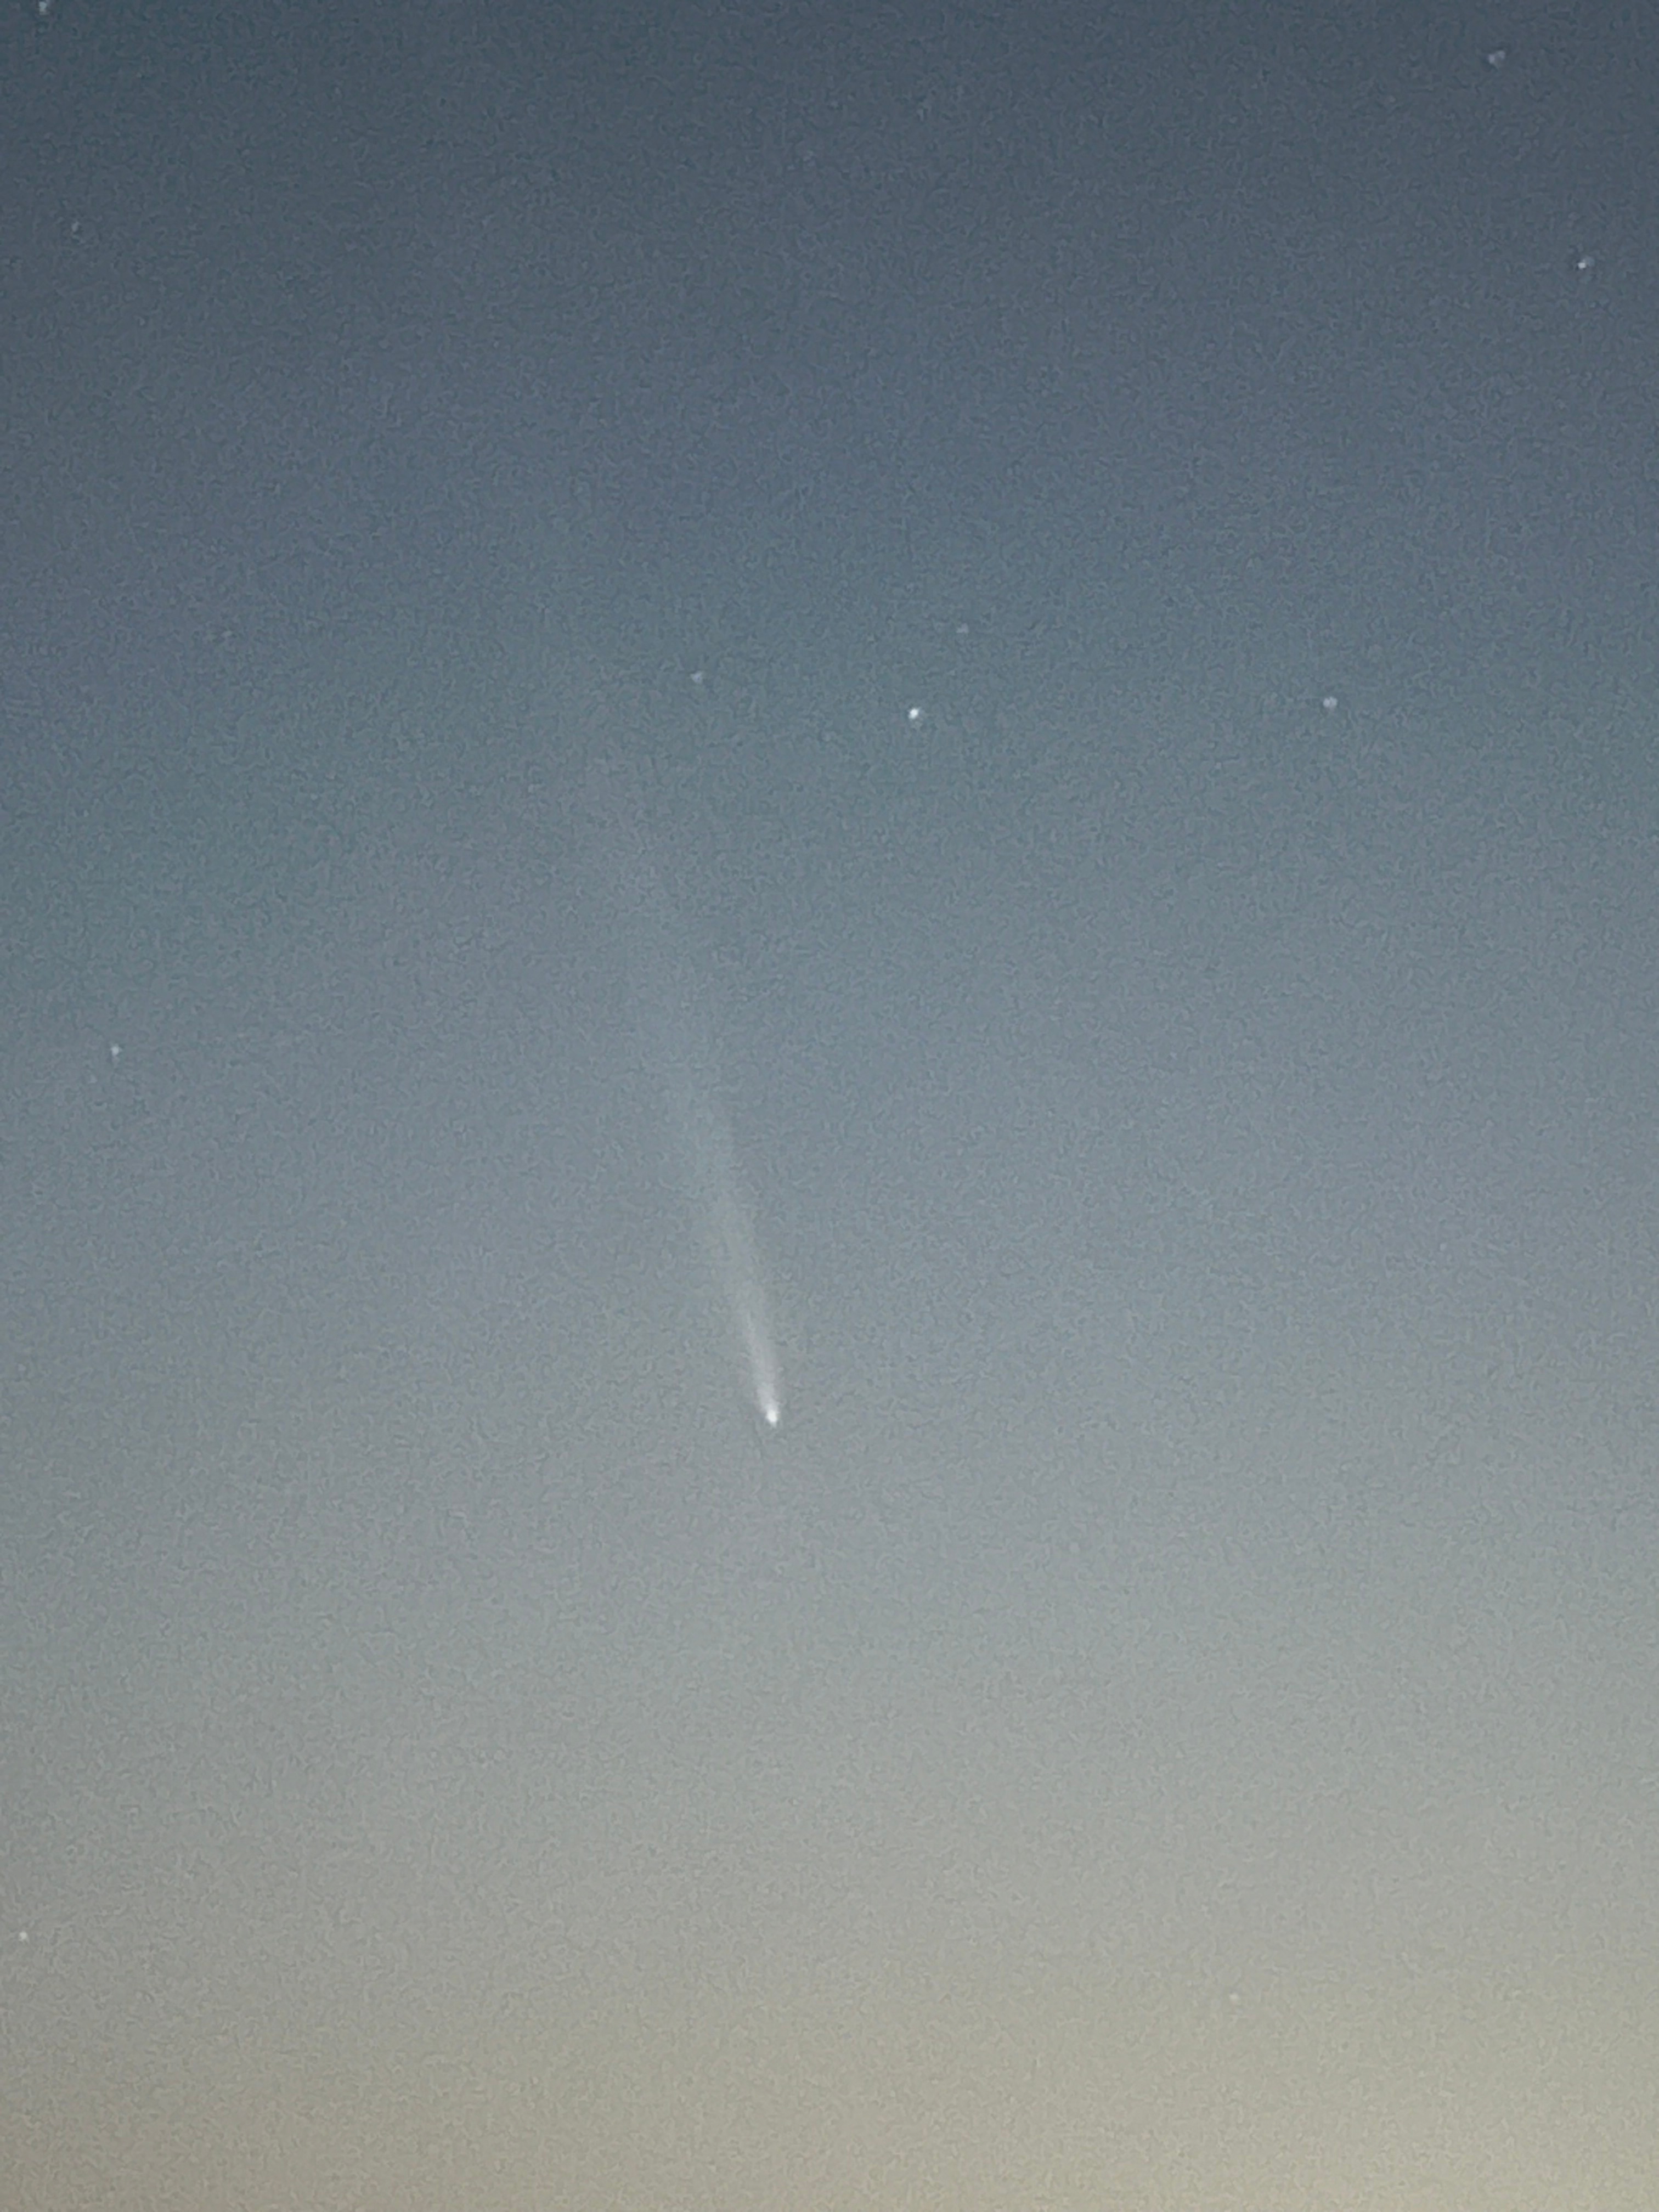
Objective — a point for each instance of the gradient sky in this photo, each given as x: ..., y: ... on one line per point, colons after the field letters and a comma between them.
x: 1118, y: 550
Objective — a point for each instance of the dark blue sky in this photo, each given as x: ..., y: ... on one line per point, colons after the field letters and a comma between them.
x: 1111, y: 552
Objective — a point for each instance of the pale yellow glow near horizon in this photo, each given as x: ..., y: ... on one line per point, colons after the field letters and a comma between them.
x: 1462, y: 2093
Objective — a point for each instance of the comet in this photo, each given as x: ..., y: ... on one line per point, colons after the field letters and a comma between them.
x: 678, y: 1039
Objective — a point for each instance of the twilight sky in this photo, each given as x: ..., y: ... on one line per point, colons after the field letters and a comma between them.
x: 976, y: 687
